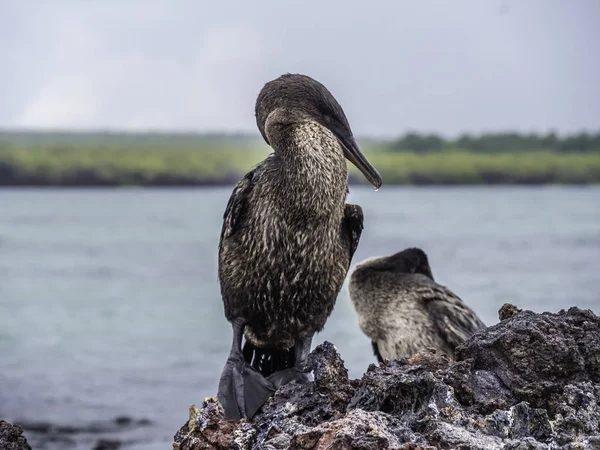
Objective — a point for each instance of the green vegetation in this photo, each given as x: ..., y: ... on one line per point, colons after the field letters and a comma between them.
x: 105, y: 159
x: 499, y: 143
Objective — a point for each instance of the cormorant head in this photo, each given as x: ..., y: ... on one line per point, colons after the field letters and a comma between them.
x: 408, y: 261
x: 294, y: 98
x: 411, y: 260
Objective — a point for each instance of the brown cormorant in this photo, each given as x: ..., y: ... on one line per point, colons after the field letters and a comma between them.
x: 287, y: 240
x: 403, y: 310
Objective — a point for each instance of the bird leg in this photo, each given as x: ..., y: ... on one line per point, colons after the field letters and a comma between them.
x: 295, y: 373
x: 242, y: 389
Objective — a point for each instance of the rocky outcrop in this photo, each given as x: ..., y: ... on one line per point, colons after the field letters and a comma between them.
x: 530, y: 382
x: 11, y: 437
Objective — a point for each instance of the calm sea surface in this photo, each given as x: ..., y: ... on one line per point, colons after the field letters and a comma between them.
x: 110, y: 306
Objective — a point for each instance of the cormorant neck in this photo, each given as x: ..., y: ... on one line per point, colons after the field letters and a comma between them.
x: 313, y: 167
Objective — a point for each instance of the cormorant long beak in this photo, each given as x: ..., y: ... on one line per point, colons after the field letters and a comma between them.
x: 355, y: 156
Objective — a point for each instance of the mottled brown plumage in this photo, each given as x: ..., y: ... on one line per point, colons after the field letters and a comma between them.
x: 403, y: 310
x: 288, y: 238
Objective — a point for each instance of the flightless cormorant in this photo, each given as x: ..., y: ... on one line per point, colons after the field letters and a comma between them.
x: 403, y: 310
x: 287, y: 240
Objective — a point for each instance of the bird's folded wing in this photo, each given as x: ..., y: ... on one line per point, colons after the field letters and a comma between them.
x: 352, y: 226
x: 455, y: 320
x: 237, y: 205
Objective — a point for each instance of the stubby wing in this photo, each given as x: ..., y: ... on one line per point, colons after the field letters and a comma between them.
x: 352, y: 226
x: 237, y: 206
x: 455, y: 320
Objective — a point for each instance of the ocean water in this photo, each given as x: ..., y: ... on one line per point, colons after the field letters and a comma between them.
x: 111, y: 322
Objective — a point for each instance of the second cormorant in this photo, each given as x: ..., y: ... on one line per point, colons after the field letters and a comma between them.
x: 403, y: 310
x: 287, y: 240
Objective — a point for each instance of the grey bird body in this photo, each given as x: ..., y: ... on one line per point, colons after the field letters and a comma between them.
x: 403, y: 310
x: 287, y: 240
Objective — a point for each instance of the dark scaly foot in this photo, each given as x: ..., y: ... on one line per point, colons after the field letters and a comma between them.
x: 242, y: 390
x: 285, y: 376
x: 295, y: 373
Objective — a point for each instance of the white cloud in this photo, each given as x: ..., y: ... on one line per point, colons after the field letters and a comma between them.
x: 95, y: 86
x: 394, y: 65
x: 65, y: 101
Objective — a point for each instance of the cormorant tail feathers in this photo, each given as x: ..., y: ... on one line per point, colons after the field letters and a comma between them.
x: 376, y: 352
x: 268, y: 360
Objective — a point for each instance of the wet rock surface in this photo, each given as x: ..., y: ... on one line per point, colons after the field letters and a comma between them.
x: 530, y: 382
x: 11, y: 437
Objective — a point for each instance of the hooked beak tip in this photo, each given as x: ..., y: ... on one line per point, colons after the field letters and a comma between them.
x: 377, y: 184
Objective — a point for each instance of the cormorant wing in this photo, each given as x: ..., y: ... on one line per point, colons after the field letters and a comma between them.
x: 237, y: 205
x: 455, y: 320
x: 352, y: 226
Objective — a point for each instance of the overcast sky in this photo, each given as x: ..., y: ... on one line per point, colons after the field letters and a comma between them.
x: 443, y: 66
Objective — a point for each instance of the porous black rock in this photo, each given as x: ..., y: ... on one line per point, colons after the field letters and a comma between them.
x: 529, y: 357
x: 530, y: 382
x: 11, y: 437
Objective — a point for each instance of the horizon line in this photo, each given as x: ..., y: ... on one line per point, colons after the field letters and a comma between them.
x: 256, y: 134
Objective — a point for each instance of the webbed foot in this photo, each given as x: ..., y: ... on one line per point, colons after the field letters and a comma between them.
x: 242, y: 389
x: 286, y: 376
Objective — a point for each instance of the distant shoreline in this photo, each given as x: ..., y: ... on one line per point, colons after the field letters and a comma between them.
x: 155, y: 160
x: 174, y: 182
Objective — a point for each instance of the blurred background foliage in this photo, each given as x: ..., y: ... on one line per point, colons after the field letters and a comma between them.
x: 156, y: 159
